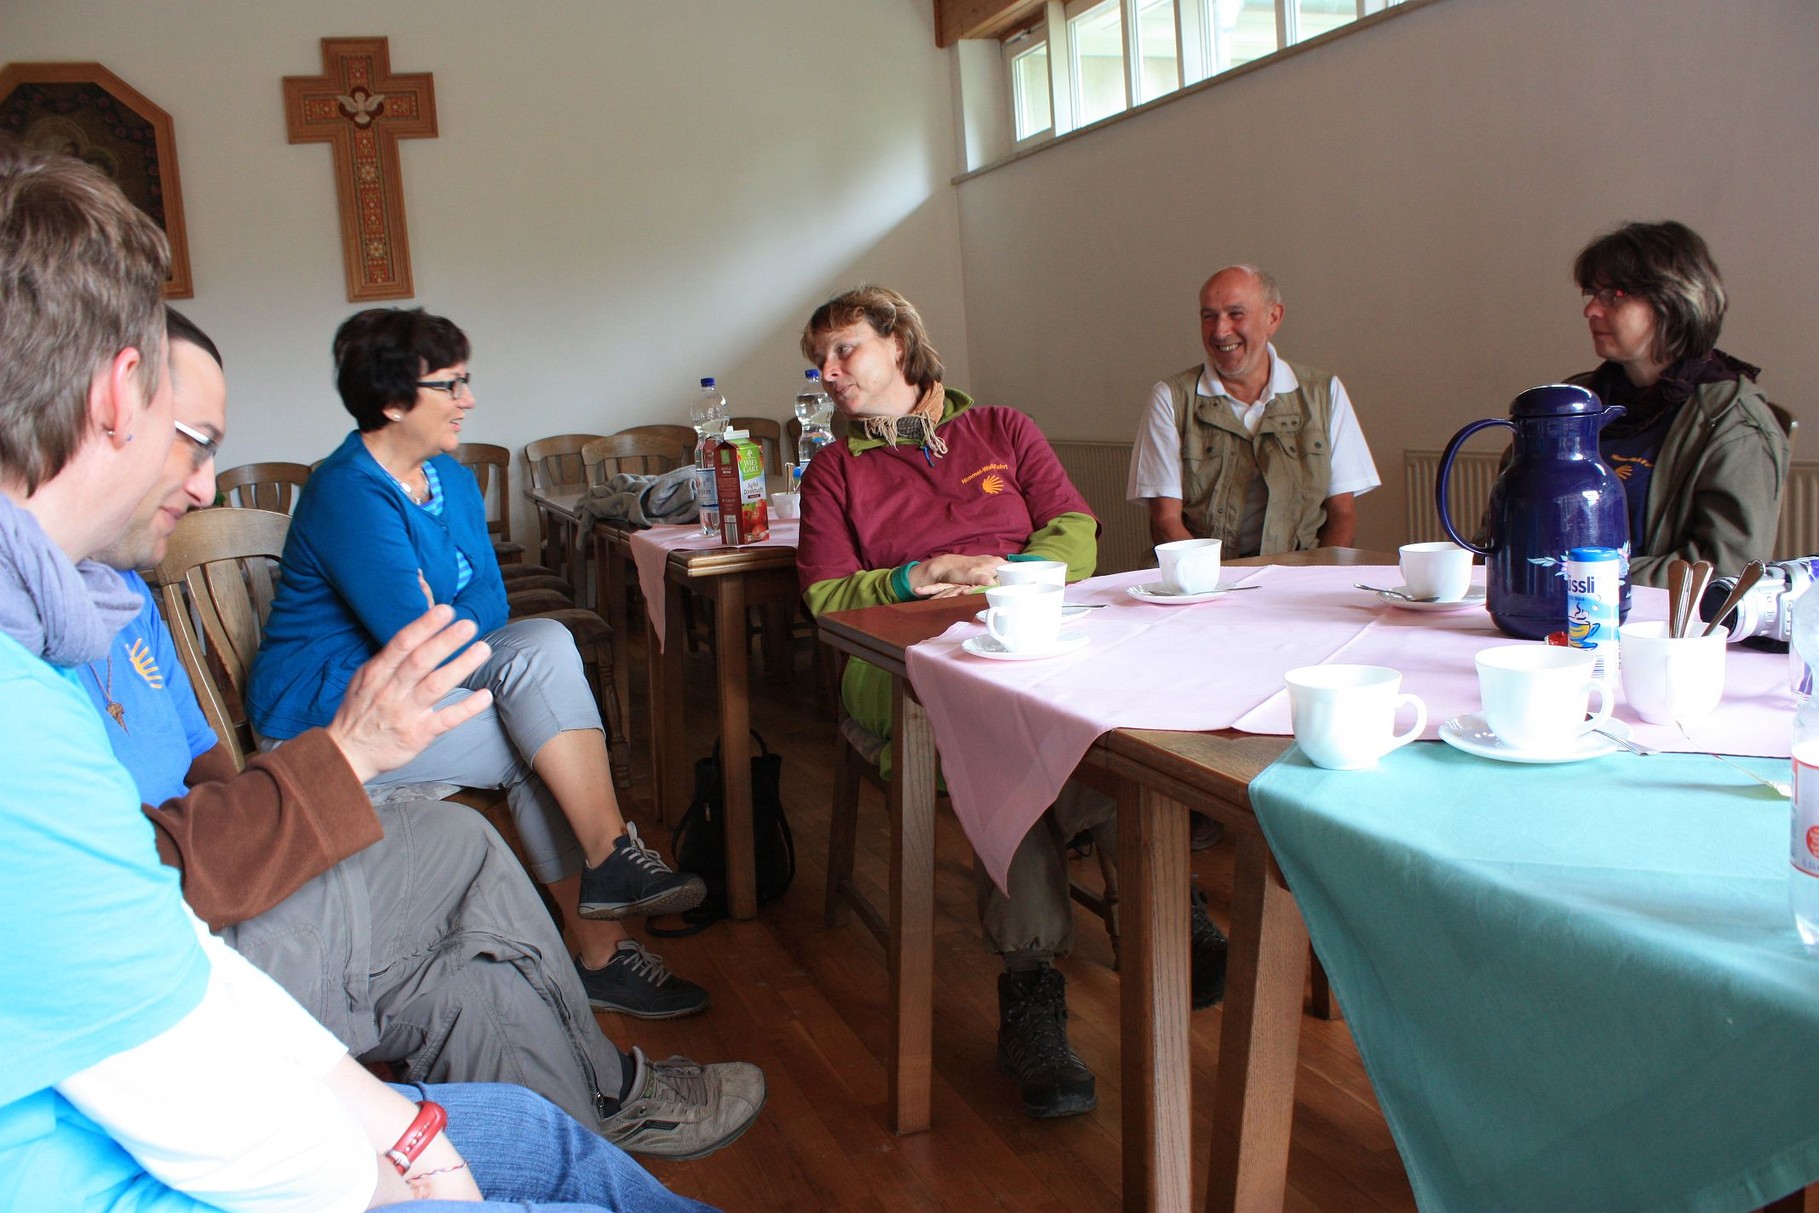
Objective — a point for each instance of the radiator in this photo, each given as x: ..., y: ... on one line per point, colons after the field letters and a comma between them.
x: 1798, y: 534
x: 1470, y: 488
x: 1098, y: 470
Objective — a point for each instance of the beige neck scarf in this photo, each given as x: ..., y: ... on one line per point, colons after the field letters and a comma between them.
x: 916, y: 426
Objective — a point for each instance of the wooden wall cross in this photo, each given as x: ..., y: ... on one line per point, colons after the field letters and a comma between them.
x: 359, y: 107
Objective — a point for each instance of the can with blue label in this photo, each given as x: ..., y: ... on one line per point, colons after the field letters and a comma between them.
x: 1594, y: 583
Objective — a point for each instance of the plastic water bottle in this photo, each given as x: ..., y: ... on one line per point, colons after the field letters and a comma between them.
x: 815, y: 412
x: 1803, y: 845
x: 708, y: 416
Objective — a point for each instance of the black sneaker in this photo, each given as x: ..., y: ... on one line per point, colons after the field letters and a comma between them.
x: 1033, y: 1048
x: 680, y: 1109
x: 1207, y: 949
x: 634, y: 881
x: 636, y: 982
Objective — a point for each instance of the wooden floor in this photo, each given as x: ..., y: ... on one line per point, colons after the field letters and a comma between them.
x: 807, y: 1003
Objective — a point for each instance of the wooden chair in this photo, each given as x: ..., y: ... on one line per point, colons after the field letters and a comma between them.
x: 491, y: 466
x: 641, y: 454
x: 1786, y: 420
x: 768, y: 435
x: 682, y: 435
x: 555, y: 466
x: 215, y: 586
x: 263, y: 486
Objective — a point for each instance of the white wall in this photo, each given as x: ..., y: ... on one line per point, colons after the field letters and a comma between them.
x: 1419, y: 188
x: 624, y: 196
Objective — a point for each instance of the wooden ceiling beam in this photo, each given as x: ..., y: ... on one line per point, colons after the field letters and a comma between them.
x: 957, y: 19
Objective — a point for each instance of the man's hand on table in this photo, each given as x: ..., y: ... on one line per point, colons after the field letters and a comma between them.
x: 389, y: 713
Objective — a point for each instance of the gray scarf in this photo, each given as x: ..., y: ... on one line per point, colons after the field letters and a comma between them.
x: 65, y: 613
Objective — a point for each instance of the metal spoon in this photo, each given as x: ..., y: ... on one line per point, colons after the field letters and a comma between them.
x: 1746, y: 581
x: 1634, y: 747
x: 1397, y: 594
x: 1678, y: 572
x: 1695, y: 590
x: 1781, y: 789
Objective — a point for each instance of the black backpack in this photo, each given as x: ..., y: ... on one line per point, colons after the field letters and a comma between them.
x: 699, y: 841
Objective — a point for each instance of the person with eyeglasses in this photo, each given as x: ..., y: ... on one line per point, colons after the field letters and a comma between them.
x: 1701, y: 456
x: 391, y: 521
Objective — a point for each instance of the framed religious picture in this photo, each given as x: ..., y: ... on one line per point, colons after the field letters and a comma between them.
x: 84, y: 110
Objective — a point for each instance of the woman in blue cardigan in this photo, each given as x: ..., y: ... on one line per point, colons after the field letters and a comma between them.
x: 391, y: 523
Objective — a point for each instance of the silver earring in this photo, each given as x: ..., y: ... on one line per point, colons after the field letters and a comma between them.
x: 110, y: 433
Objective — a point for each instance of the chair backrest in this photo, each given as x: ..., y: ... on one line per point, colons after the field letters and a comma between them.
x: 682, y: 434
x: 216, y: 584
x: 263, y: 486
x: 491, y: 466
x: 1786, y: 420
x: 768, y: 435
x: 644, y: 454
x: 555, y: 463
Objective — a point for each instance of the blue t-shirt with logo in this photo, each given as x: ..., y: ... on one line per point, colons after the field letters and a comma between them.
x: 156, y: 728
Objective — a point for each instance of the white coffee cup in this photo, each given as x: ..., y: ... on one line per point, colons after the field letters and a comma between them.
x: 1345, y: 715
x: 1032, y: 572
x: 786, y: 505
x: 1189, y: 566
x: 1441, y: 572
x: 1024, y: 618
x: 1671, y: 680
x: 1535, y: 695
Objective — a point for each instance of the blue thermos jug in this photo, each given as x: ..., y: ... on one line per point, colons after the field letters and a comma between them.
x: 1554, y: 494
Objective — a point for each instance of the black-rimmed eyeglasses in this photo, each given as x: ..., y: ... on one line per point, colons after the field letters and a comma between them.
x: 1608, y: 297
x: 456, y: 387
x: 205, y: 446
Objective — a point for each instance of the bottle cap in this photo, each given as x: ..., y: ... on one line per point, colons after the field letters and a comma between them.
x: 812, y: 374
x: 708, y: 382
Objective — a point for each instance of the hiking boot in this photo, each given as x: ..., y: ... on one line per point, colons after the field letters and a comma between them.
x: 680, y: 1110
x: 634, y: 881
x: 1033, y: 1048
x: 636, y: 982
x: 1206, y: 947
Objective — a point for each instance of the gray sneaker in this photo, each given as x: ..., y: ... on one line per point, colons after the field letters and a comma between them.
x: 680, y: 1110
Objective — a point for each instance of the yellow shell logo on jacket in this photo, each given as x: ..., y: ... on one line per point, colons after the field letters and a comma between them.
x: 992, y: 485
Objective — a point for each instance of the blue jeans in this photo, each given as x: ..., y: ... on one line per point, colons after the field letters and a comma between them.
x: 526, y: 1153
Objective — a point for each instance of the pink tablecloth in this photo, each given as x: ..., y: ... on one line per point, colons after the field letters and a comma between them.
x: 651, y: 550
x: 1010, y: 733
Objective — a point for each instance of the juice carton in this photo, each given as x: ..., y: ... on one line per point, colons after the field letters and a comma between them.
x: 744, y: 511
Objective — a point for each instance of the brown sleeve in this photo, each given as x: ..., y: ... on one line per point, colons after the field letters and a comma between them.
x: 247, y: 842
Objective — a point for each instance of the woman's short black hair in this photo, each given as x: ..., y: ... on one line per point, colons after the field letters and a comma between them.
x: 1668, y: 265
x: 382, y: 352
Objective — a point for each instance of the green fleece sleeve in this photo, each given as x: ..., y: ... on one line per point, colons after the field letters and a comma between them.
x: 1073, y: 538
x: 870, y: 587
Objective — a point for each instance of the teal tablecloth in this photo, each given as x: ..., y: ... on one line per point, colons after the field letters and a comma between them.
x: 1574, y: 987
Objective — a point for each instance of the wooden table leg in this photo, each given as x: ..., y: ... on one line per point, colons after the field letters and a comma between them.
x: 1254, y: 1091
x: 1154, y: 979
x: 615, y: 588
x: 669, y: 741
x: 912, y: 941
x: 735, y: 744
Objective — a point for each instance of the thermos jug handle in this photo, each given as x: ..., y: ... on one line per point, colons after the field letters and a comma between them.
x: 1446, y: 471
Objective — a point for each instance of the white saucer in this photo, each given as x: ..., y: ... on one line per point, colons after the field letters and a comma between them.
x: 985, y: 646
x: 1471, y: 734
x: 1473, y: 597
x: 1071, y: 610
x: 1156, y: 592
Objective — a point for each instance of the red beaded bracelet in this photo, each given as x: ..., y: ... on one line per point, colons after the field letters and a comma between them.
x: 430, y: 1121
